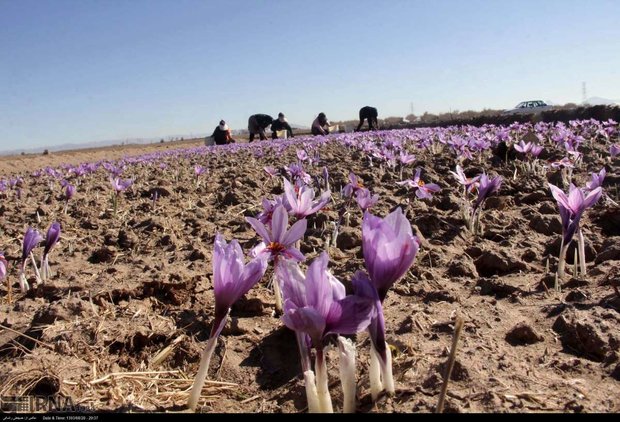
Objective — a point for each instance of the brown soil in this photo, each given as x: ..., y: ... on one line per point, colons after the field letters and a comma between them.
x: 127, y: 286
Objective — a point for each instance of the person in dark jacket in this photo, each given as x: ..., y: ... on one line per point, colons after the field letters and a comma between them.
x: 370, y: 114
x: 281, y: 124
x: 320, y: 126
x: 257, y: 125
x: 221, y: 134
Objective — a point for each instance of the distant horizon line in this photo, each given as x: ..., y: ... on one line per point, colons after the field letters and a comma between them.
x: 179, y: 137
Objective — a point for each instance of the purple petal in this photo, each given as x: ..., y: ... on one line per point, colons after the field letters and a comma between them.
x: 296, y: 232
x: 279, y: 222
x: 259, y: 228
x: 349, y: 315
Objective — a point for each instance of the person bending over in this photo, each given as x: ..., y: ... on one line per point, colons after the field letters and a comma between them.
x: 257, y: 125
x: 221, y: 134
x: 369, y: 114
x: 281, y: 124
x: 320, y: 126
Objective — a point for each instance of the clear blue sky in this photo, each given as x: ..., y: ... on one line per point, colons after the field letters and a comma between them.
x: 85, y: 70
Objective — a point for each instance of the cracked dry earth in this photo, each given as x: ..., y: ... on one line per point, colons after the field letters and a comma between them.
x: 123, y: 321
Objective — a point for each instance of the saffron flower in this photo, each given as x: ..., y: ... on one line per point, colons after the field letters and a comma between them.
x: 232, y: 278
x: 365, y: 199
x: 597, y: 180
x: 199, y: 170
x: 422, y: 190
x: 4, y: 265
x: 316, y: 307
x: 268, y: 208
x: 355, y: 183
x: 51, y: 238
x: 302, y: 155
x: 277, y: 240
x: 523, y: 147
x: 120, y: 185
x: 31, y: 239
x: 536, y: 150
x: 572, y: 207
x: 69, y: 191
x: 486, y: 188
x: 468, y: 183
x: 301, y: 201
x: 271, y: 171
x: 389, y: 249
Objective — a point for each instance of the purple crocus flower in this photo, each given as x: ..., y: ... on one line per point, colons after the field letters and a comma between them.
x: 405, y: 158
x: 316, y: 304
x: 572, y: 207
x: 268, y: 208
x: 523, y: 147
x: 315, y: 307
x: 232, y: 278
x: 277, y: 241
x: 301, y: 201
x: 120, y: 185
x: 536, y: 150
x: 563, y: 163
x: 486, y: 188
x: 469, y: 184
x: 199, y: 170
x: 389, y: 248
x: 296, y: 171
x: 355, y: 183
x: 365, y: 199
x: 52, y: 237
x: 422, y: 190
x: 69, y: 191
x: 614, y: 150
x: 4, y: 266
x: 31, y: 239
x: 271, y: 171
x: 597, y: 180
x: 302, y: 155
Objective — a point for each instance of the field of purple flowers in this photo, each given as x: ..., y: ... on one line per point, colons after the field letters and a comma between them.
x: 322, y: 274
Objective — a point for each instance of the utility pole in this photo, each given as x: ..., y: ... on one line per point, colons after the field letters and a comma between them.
x: 584, y: 97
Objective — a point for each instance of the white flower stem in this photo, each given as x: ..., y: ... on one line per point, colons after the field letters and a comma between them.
x: 320, y: 367
x: 23, y: 282
x: 575, y: 263
x: 347, y: 374
x: 276, y: 291
x: 562, y: 258
x: 201, y: 376
x: 205, y: 360
x: 312, y: 395
x: 582, y: 253
x: 36, y: 269
x: 386, y: 372
x: 374, y: 372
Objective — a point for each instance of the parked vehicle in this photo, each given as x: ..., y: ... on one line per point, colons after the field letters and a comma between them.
x: 529, y: 107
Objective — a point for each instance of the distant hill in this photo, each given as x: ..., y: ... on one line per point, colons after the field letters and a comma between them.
x: 132, y: 141
x: 99, y: 144
x: 594, y: 101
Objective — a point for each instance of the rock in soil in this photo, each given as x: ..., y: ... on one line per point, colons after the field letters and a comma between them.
x: 523, y: 334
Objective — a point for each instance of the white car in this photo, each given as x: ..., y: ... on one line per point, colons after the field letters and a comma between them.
x: 529, y: 107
